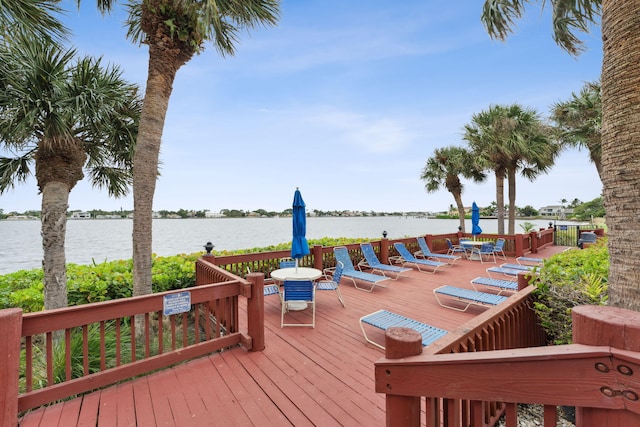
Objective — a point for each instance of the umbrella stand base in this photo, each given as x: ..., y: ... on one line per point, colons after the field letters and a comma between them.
x: 297, y: 305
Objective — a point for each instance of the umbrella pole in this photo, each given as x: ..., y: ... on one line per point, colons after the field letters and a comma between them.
x: 296, y: 265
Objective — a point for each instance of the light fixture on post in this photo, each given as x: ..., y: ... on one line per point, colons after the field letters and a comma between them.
x: 209, y: 247
x: 384, y: 234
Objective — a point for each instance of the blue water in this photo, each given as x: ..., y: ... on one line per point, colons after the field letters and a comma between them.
x: 107, y: 240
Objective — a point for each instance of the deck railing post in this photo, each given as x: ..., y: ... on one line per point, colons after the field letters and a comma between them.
x: 255, y: 311
x: 534, y: 241
x: 617, y: 328
x: 10, y: 335
x: 317, y: 257
x: 402, y: 410
x: 384, y: 250
x: 519, y: 245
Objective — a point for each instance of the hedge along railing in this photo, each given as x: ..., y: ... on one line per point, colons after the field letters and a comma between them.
x: 211, y: 324
x: 597, y: 374
x: 512, y: 324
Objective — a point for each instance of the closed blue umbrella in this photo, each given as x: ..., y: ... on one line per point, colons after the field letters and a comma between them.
x: 299, y: 245
x: 475, y: 220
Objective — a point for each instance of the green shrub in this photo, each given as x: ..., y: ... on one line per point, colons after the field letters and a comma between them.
x: 114, y: 279
x: 569, y: 279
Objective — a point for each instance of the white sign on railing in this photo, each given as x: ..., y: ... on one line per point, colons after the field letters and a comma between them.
x: 177, y: 303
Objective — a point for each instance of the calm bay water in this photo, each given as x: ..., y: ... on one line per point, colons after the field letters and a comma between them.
x: 107, y: 240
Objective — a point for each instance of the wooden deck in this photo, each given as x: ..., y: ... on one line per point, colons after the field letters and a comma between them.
x: 304, y: 377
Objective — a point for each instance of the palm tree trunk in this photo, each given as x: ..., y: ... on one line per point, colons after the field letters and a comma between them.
x: 145, y: 165
x: 458, y: 198
x: 55, y: 202
x: 620, y: 148
x: 162, y: 72
x: 511, y: 179
x: 500, y: 201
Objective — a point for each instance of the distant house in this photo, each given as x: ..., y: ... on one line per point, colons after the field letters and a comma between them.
x: 557, y: 211
x: 80, y: 215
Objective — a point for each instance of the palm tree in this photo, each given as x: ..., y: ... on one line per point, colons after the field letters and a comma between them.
x: 174, y: 31
x: 30, y: 16
x: 65, y: 118
x: 579, y: 121
x: 444, y: 170
x: 486, y: 134
x: 620, y: 84
x: 509, y: 139
x: 530, y: 151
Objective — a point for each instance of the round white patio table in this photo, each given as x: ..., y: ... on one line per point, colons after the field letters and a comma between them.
x: 296, y: 273
x: 473, y: 243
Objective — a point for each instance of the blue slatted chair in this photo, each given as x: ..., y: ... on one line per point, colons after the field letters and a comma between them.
x: 455, y: 249
x: 467, y: 297
x: 298, y: 291
x: 372, y: 262
x: 383, y: 319
x: 407, y: 258
x: 425, y: 252
x: 498, y: 249
x: 332, y: 283
x: 486, y: 250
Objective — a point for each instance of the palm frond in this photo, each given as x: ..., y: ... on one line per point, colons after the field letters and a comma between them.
x: 14, y: 170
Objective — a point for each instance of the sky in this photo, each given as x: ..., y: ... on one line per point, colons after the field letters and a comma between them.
x: 344, y: 99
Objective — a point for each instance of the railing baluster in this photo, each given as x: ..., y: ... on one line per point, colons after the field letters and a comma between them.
x: 160, y: 332
x: 49, y: 350
x: 85, y: 349
x: 118, y: 343
x: 67, y: 353
x: 147, y: 336
x: 29, y: 363
x: 103, y: 356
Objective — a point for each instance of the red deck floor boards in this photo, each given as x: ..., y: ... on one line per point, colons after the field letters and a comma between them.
x: 303, y: 377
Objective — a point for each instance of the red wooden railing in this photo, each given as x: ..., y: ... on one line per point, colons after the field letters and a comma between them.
x: 470, y: 388
x: 210, y: 324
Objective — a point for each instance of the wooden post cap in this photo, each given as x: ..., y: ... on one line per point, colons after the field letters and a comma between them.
x: 402, y: 342
x: 604, y: 325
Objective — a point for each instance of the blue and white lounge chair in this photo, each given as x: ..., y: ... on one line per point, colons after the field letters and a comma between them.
x: 372, y: 262
x: 467, y: 297
x: 407, y: 258
x: 523, y: 260
x: 383, y: 319
x: 342, y: 255
x: 497, y: 284
x: 510, y: 272
x: 426, y: 253
x: 519, y: 267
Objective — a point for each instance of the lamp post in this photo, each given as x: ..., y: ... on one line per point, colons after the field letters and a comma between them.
x: 209, y: 247
x: 384, y: 234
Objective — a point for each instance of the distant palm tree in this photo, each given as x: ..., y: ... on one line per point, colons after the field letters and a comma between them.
x: 579, y: 121
x: 174, y: 31
x: 444, y: 169
x: 508, y: 139
x: 65, y: 118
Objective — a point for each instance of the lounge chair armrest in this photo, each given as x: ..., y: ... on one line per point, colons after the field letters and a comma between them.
x: 395, y: 260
